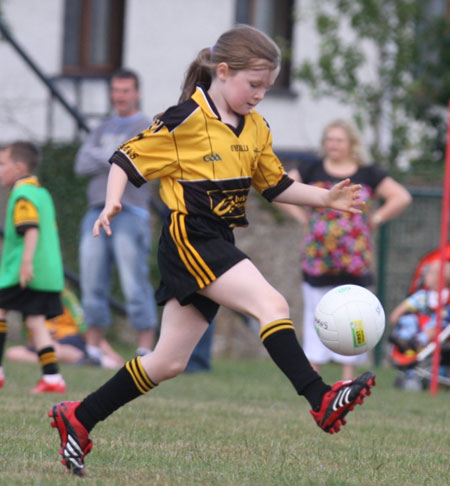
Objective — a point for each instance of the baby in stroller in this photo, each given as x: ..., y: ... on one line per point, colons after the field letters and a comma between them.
x: 414, y: 319
x: 414, y: 322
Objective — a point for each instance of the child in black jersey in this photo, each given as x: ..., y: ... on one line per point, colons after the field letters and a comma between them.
x: 207, y: 151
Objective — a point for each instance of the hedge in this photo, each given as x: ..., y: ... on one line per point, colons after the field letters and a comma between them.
x: 69, y: 195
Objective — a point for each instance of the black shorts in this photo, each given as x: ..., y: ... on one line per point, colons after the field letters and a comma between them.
x: 31, y: 302
x: 192, y: 253
x: 75, y: 340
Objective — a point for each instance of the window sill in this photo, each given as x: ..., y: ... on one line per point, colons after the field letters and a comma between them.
x: 84, y: 75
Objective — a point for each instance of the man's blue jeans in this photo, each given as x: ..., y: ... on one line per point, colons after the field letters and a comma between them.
x: 128, y: 248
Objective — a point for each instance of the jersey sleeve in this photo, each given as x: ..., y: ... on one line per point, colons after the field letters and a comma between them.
x: 376, y: 175
x: 150, y: 155
x: 270, y: 178
x: 25, y: 215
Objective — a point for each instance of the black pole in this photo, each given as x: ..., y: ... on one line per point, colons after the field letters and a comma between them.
x: 383, y: 242
x: 75, y: 114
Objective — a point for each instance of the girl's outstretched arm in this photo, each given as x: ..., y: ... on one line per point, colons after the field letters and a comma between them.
x: 117, y: 180
x: 343, y: 196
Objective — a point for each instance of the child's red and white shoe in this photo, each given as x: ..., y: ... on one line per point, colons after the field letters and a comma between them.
x: 340, y: 400
x: 75, y: 441
x: 44, y: 386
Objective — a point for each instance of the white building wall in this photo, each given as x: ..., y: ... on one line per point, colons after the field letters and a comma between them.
x: 161, y: 39
x: 23, y: 98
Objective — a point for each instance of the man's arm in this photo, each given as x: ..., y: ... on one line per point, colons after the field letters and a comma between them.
x: 93, y: 157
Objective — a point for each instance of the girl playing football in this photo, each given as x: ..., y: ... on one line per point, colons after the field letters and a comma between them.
x: 207, y: 151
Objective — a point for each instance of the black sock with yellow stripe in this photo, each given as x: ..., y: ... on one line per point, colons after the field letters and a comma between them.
x: 128, y: 383
x: 281, y: 342
x: 48, y: 360
x: 3, y: 333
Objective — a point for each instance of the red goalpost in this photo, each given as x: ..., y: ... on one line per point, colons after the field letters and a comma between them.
x: 443, y: 243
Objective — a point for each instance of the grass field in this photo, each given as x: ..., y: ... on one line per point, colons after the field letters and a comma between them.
x: 241, y: 425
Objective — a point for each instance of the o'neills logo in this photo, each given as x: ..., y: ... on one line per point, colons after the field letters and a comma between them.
x: 320, y: 323
x: 129, y: 151
x: 239, y: 148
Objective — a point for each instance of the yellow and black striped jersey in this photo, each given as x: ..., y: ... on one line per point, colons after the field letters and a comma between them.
x: 205, y: 166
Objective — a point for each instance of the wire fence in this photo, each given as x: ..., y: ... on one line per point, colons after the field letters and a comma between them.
x: 404, y: 241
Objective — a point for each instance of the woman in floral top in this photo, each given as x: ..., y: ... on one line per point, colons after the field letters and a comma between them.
x: 337, y: 246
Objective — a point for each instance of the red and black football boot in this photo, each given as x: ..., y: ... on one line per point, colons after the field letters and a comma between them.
x: 340, y: 400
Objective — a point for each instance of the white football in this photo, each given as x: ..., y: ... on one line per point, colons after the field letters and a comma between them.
x: 349, y: 320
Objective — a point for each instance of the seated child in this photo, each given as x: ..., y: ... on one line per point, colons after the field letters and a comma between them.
x: 414, y: 319
x: 66, y: 332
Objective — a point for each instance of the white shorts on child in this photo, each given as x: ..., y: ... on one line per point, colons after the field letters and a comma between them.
x: 315, y: 351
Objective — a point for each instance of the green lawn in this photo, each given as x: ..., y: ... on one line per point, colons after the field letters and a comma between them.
x: 241, y: 425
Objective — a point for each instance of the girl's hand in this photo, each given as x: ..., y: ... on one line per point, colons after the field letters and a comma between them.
x: 345, y: 197
x: 110, y: 210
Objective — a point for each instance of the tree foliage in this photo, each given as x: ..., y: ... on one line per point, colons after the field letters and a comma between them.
x: 390, y: 61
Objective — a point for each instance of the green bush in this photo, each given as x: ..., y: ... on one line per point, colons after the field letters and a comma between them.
x: 69, y: 195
